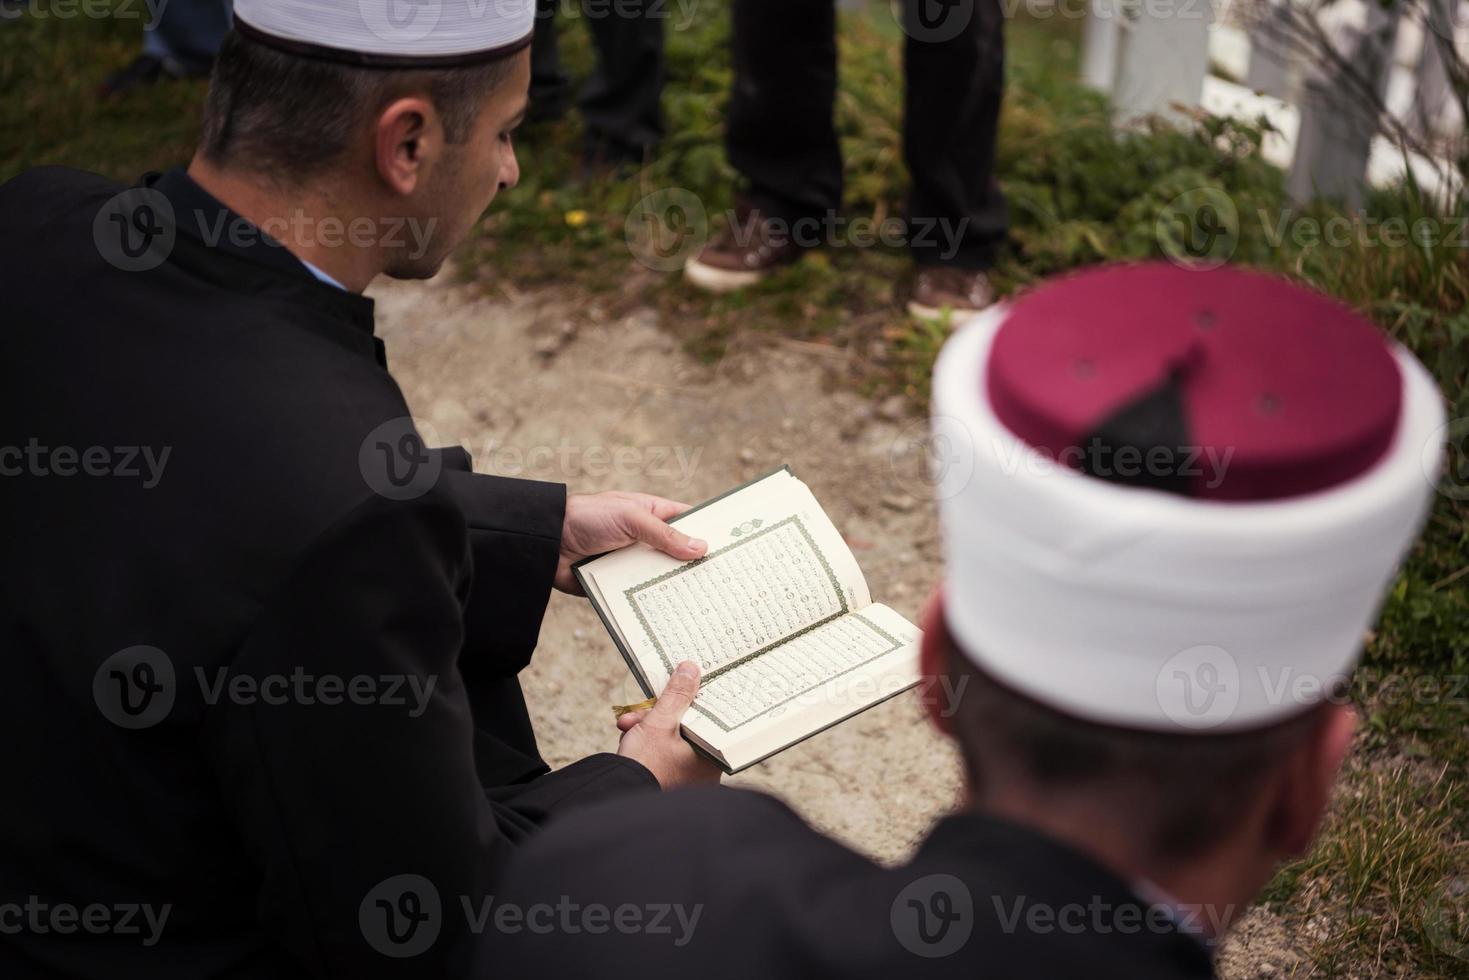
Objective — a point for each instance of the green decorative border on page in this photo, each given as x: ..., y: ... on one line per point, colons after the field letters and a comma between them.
x: 836, y: 585
x: 727, y: 727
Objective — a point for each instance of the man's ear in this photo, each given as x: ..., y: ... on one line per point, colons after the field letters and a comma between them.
x: 1304, y: 790
x: 933, y: 664
x: 408, y: 139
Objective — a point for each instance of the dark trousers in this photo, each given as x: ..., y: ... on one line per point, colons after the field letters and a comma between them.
x: 782, y: 139
x: 619, y: 102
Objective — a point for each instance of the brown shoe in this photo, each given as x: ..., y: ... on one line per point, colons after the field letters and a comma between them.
x: 744, y: 253
x: 936, y: 288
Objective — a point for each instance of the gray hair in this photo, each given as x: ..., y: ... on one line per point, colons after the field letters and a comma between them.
x: 1183, y: 792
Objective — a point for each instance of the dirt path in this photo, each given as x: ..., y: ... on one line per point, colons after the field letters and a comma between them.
x: 550, y: 390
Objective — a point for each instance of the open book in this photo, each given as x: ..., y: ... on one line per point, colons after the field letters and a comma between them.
x: 777, y: 615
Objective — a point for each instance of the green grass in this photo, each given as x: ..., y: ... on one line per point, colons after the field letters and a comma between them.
x: 49, y: 71
x: 1386, y: 879
x: 1079, y: 194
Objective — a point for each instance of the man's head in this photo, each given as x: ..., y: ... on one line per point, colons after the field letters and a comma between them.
x: 1172, y: 502
x: 1150, y: 800
x: 426, y: 147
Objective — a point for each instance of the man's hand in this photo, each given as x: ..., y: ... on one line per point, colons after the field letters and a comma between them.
x: 598, y: 522
x: 651, y: 737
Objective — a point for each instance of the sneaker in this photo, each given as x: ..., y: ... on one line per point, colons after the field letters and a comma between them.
x: 744, y: 253
x: 936, y: 288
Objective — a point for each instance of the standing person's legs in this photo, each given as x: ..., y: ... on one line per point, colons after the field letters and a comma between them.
x: 548, y: 83
x: 954, y: 64
x: 780, y: 134
x: 620, y: 101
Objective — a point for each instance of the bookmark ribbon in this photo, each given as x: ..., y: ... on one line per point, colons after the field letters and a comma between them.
x: 618, y: 710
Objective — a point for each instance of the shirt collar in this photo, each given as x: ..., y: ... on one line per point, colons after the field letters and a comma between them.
x: 322, y: 276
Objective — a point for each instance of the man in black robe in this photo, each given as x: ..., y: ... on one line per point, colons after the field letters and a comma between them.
x: 1143, y: 663
x: 261, y: 645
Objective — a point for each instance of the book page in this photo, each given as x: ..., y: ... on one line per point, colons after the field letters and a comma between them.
x: 776, y: 569
x: 773, y: 682
x: 768, y: 704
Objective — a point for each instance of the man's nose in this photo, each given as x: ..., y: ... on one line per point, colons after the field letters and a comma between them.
x: 509, y: 171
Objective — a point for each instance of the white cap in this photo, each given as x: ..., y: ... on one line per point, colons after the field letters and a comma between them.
x: 390, y: 33
x: 1146, y: 609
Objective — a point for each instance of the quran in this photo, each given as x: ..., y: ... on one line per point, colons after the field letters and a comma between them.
x: 777, y: 615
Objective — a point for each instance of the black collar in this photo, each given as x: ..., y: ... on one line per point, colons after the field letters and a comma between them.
x: 968, y: 837
x: 230, y: 251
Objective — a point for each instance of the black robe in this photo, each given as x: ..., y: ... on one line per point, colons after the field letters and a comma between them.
x: 723, y: 884
x: 263, y: 546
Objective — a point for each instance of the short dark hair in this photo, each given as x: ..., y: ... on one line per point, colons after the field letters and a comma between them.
x: 1183, y: 791
x: 284, y: 113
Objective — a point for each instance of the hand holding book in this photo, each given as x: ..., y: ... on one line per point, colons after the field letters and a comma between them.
x: 596, y: 523
x: 653, y: 736
x: 776, y: 614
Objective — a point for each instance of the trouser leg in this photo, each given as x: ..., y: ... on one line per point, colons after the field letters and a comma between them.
x: 620, y: 101
x: 780, y: 134
x: 954, y: 64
